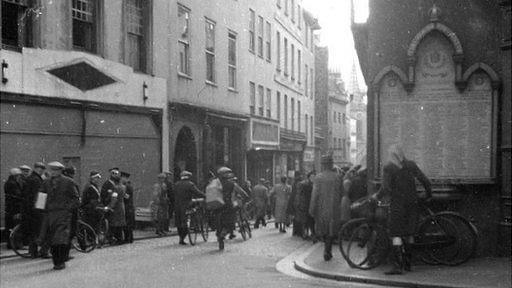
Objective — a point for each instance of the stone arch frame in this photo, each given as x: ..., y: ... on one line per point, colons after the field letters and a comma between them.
x: 495, y: 79
x: 458, y: 56
x: 196, y: 134
x: 389, y: 69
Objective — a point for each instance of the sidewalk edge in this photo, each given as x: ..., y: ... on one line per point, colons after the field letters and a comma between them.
x: 301, y: 266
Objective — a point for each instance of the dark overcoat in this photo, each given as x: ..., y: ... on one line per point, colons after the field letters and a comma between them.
x: 399, y: 184
x: 184, y: 192
x: 62, y: 200
x: 129, y: 206
x: 326, y: 203
x: 13, y: 200
x: 117, y: 217
x: 90, y: 200
x: 302, y: 200
x: 260, y: 196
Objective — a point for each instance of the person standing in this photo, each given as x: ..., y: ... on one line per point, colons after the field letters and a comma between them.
x: 62, y: 199
x: 292, y: 208
x: 91, y: 201
x: 260, y: 196
x: 170, y: 195
x: 281, y: 192
x: 226, y: 215
x: 325, y: 204
x: 160, y: 205
x: 13, y: 200
x: 302, y: 202
x: 399, y: 184
x: 32, y: 217
x: 129, y: 207
x: 185, y: 190
x: 117, y: 219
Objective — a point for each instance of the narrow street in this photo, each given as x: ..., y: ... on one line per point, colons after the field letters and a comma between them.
x: 162, y: 262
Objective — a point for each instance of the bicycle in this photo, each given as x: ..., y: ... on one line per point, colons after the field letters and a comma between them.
x: 197, y: 222
x: 18, y: 242
x: 85, y: 239
x: 242, y: 221
x: 441, y: 238
x: 103, y: 227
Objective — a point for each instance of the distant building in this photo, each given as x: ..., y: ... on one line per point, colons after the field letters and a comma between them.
x: 322, y: 103
x: 357, y: 109
x: 339, y: 123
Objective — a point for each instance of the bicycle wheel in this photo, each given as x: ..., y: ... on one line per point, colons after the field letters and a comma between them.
x: 368, y: 246
x: 16, y: 238
x: 467, y: 237
x: 85, y: 239
x: 102, y: 233
x: 242, y: 230
x: 437, y: 240
x: 192, y: 229
x: 346, y: 232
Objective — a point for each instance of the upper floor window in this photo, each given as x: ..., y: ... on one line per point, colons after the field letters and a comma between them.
x: 306, y: 80
x: 137, y: 20
x: 278, y: 3
x: 299, y: 17
x: 210, y: 50
x: 299, y: 64
x: 292, y: 7
x: 260, y: 36
x: 285, y: 111
x: 232, y: 60
x: 268, y: 46
x: 285, y: 57
x: 292, y: 113
x: 286, y: 7
x: 269, y: 103
x: 252, y: 96
x: 252, y: 28
x: 293, y: 62
x: 84, y: 13
x: 184, y: 39
x: 298, y: 116
x: 16, y: 24
x: 261, y: 102
x: 306, y: 120
x: 312, y: 92
x: 278, y: 51
x: 278, y: 105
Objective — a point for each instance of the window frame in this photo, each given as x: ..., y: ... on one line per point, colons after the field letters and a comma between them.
x: 144, y: 39
x: 268, y: 103
x: 94, y: 25
x: 261, y: 100
x: 252, y: 32
x: 268, y: 41
x: 299, y: 68
x: 232, y: 36
x: 292, y: 62
x: 261, y: 30
x: 210, y: 52
x: 285, y: 56
x: 185, y: 42
x: 278, y: 50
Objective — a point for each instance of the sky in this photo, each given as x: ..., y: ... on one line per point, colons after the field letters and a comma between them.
x: 334, y: 18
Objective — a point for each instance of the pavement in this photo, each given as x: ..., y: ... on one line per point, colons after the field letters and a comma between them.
x: 476, y: 273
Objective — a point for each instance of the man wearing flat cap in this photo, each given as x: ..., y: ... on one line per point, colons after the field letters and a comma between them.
x: 32, y: 217
x: 325, y: 204
x: 260, y: 195
x: 91, y: 200
x: 62, y: 199
x: 185, y: 191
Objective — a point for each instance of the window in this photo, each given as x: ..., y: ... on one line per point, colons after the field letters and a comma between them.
x: 292, y: 113
x: 299, y: 63
x: 298, y: 116
x: 252, y: 91
x: 339, y: 118
x: 260, y: 36
x: 311, y: 92
x: 84, y: 30
x: 334, y: 116
x: 184, y: 39
x: 261, y: 97
x: 136, y: 28
x: 252, y: 27
x: 16, y: 28
x: 210, y: 50
x: 293, y: 62
x: 232, y: 60
x: 267, y: 42
x: 278, y: 50
x: 269, y: 103
x: 299, y: 17
x: 286, y: 7
x: 285, y: 111
x: 312, y: 129
x: 292, y: 7
x: 278, y: 104
x: 344, y: 118
x: 285, y: 57
x: 306, y: 127
x: 306, y: 80
x: 311, y: 38
x: 278, y: 3
x: 306, y: 35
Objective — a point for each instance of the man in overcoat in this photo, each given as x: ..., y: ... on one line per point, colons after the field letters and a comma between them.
x: 129, y: 207
x: 32, y: 217
x: 185, y: 190
x: 260, y: 196
x: 91, y: 200
x: 326, y: 204
x: 62, y: 199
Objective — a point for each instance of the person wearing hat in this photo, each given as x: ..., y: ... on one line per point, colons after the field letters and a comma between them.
x: 292, y: 207
x: 108, y: 187
x: 282, y: 193
x: 32, y: 217
x: 91, y: 200
x: 117, y: 216
x: 13, y: 200
x: 129, y: 207
x: 302, y: 201
x: 62, y: 199
x: 185, y: 190
x: 160, y: 207
x: 260, y: 196
x: 170, y: 195
x: 325, y: 204
x: 225, y: 217
x: 25, y: 171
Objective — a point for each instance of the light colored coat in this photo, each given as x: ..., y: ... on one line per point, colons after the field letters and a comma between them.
x: 282, y: 193
x: 325, y: 206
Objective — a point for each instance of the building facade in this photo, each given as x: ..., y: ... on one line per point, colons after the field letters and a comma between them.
x: 339, y: 123
x: 437, y: 87
x: 81, y: 84
x: 357, y: 111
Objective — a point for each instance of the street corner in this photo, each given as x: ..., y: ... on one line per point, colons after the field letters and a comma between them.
x: 477, y: 273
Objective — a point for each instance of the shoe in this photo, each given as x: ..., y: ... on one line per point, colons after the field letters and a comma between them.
x: 232, y: 236
x: 183, y: 243
x: 397, y: 259
x: 70, y: 258
x: 59, y: 266
x: 327, y: 256
x: 221, y: 244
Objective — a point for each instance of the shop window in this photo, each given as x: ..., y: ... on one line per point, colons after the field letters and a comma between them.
x: 16, y: 24
x: 184, y: 39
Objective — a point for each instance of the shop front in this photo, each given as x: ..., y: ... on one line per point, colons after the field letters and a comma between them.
x: 264, y: 143
x: 291, y: 154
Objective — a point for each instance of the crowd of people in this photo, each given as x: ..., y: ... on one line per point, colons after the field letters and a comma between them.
x: 315, y: 204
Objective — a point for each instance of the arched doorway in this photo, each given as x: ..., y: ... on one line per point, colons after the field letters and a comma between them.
x: 185, y: 156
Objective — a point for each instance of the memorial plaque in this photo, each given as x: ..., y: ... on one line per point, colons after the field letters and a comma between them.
x: 448, y: 133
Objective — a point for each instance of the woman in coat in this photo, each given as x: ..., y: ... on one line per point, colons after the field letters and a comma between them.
x: 325, y: 204
x: 399, y: 184
x: 160, y: 205
x: 282, y: 193
x: 302, y: 202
